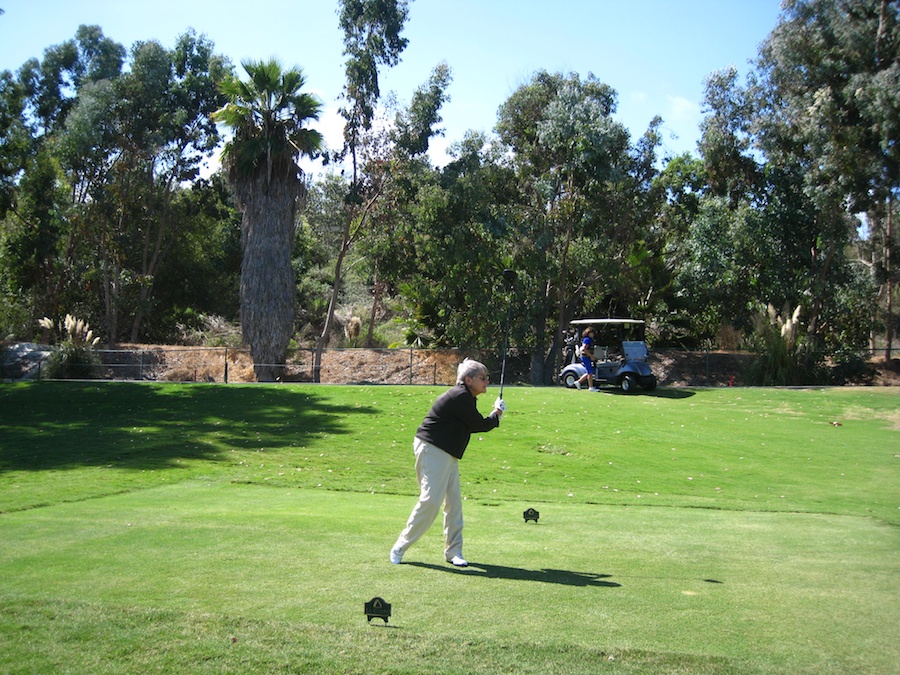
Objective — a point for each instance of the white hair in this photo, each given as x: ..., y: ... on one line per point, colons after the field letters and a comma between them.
x: 469, y: 368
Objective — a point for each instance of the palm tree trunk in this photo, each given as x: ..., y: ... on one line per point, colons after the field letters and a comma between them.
x: 267, y: 283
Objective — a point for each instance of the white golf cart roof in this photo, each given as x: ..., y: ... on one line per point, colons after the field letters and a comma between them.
x: 600, y: 322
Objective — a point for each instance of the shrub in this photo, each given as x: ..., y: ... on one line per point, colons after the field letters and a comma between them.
x: 74, y: 357
x: 210, y: 330
x: 848, y: 365
x: 781, y: 355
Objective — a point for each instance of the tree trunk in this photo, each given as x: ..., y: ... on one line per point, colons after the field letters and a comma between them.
x: 377, y: 287
x: 110, y: 272
x: 152, y: 256
x: 267, y: 280
x: 332, y: 303
x: 350, y: 235
x: 817, y: 296
x: 888, y: 273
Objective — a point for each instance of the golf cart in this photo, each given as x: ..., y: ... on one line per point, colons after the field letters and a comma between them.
x: 620, y: 353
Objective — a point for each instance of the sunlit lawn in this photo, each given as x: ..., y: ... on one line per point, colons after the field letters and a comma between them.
x: 198, y: 528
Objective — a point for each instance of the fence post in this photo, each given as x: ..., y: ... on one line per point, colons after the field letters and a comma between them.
x: 410, y: 365
x: 226, y: 365
x: 707, y: 364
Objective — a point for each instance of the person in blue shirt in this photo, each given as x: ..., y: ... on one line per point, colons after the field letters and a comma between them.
x: 439, y: 444
x: 587, y: 358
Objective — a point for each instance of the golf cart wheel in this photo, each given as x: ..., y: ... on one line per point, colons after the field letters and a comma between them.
x: 569, y: 379
x: 629, y: 383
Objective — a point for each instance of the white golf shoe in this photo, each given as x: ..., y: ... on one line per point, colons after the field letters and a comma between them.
x: 458, y: 561
x: 396, y: 556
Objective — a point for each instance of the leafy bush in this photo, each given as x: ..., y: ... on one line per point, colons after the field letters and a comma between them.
x: 74, y: 357
x: 782, y: 358
x: 848, y: 365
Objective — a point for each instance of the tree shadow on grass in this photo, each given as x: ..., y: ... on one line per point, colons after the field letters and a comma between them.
x: 59, y: 425
x: 547, y: 576
x: 659, y: 392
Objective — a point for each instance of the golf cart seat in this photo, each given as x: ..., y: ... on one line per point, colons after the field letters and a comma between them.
x: 635, y: 351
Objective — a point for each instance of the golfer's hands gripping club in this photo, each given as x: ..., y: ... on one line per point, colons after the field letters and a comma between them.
x: 500, y: 405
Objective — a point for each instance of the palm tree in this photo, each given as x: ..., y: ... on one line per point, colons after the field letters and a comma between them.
x: 267, y: 115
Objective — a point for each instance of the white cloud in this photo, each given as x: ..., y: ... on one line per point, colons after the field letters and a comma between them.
x: 682, y: 110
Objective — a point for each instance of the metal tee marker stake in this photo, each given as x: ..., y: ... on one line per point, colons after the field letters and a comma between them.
x: 510, y: 277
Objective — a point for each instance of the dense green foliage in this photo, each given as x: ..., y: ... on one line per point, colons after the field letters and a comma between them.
x: 790, y: 200
x: 240, y: 529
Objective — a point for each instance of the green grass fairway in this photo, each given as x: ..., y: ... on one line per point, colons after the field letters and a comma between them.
x: 150, y: 528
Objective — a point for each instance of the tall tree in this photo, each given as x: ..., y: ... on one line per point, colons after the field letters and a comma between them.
x: 15, y: 138
x: 268, y: 114
x: 829, y: 82
x: 371, y: 39
x: 443, y: 251
x: 571, y: 159
x: 46, y: 222
x: 126, y: 146
x: 405, y: 146
x: 168, y: 131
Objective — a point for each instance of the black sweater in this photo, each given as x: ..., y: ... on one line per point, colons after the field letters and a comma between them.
x: 452, y: 419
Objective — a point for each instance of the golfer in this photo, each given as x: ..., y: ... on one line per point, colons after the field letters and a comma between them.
x: 440, y: 443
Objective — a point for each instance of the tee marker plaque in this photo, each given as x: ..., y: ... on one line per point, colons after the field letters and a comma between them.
x: 377, y: 608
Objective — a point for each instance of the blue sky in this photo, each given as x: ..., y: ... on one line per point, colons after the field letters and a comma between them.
x: 656, y: 54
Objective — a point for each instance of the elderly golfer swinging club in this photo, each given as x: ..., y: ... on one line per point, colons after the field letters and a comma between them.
x: 440, y: 443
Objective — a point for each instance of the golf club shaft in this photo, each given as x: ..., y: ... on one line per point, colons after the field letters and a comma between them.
x: 510, y: 277
x: 505, y: 348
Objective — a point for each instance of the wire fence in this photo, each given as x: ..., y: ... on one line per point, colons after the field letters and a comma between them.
x: 672, y: 367
x: 232, y: 365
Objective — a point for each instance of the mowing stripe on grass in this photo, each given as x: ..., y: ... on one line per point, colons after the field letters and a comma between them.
x: 689, y: 583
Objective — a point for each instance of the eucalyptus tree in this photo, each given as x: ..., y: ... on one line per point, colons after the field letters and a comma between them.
x: 396, y: 172
x: 682, y: 184
x: 53, y: 83
x: 758, y: 237
x: 14, y: 145
x: 718, y: 257
x: 571, y: 159
x: 126, y: 147
x: 15, y: 270
x: 166, y: 102
x: 372, y: 38
x: 828, y: 81
x: 46, y: 231
x: 441, y: 248
x: 401, y: 154
x: 268, y: 114
x: 15, y: 138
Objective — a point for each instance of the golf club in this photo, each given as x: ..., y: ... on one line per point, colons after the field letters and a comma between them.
x: 510, y: 277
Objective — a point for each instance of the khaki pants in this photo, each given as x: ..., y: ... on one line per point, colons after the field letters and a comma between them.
x: 438, y: 474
